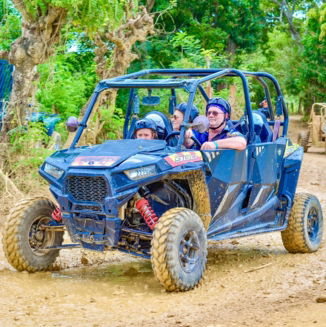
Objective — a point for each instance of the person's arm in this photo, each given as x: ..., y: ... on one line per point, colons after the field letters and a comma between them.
x: 236, y: 143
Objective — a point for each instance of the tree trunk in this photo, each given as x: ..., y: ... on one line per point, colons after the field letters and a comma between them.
x: 34, y: 47
x: 135, y: 29
x: 289, y: 14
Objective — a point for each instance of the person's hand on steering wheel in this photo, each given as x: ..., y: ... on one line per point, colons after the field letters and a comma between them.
x: 208, y: 146
x: 190, y: 139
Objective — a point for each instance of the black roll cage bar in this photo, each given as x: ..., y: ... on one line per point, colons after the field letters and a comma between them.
x: 190, y: 84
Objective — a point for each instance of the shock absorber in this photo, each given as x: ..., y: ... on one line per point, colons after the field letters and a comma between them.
x: 56, y: 215
x: 147, y: 212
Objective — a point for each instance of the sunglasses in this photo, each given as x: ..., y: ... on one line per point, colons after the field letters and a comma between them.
x: 175, y: 117
x: 214, y: 113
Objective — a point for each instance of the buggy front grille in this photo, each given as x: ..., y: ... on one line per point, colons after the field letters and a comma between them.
x: 87, y: 189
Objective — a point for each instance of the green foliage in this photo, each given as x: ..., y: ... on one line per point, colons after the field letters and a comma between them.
x: 28, y: 150
x: 10, y: 24
x: 191, y: 34
x: 113, y: 126
x: 224, y: 27
x: 32, y: 136
x: 312, y: 71
x: 66, y: 83
x: 193, y: 55
x: 98, y: 15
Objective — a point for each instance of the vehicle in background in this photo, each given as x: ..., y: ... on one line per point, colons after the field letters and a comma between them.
x: 316, y: 134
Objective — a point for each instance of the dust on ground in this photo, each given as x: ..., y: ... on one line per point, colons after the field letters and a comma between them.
x: 118, y: 290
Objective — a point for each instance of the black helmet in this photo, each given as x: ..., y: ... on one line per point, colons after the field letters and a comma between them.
x: 145, y: 123
x: 194, y: 112
x: 221, y: 103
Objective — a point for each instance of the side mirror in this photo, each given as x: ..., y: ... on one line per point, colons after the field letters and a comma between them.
x: 72, y: 124
x: 200, y: 123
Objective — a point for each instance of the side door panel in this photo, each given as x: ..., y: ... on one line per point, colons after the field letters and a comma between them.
x: 226, y: 180
x: 265, y: 175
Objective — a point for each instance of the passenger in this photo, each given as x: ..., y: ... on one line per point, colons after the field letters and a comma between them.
x: 145, y: 129
x: 219, y: 135
x: 264, y: 103
x: 179, y: 113
x: 264, y: 108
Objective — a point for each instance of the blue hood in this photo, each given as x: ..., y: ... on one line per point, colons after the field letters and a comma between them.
x: 123, y: 149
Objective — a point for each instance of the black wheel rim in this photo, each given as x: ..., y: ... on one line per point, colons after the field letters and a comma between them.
x: 189, y: 251
x: 313, y: 224
x: 40, y: 239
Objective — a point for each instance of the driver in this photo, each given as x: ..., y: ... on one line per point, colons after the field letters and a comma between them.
x: 219, y: 135
x: 179, y: 113
x: 145, y: 129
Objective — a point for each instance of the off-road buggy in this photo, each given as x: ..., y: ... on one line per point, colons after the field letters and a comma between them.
x: 316, y: 134
x: 161, y: 201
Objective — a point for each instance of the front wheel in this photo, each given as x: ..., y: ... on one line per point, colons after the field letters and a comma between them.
x: 25, y: 242
x: 179, y: 249
x: 305, y: 229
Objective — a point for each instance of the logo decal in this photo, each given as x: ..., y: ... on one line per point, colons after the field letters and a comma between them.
x: 93, y: 161
x: 182, y: 158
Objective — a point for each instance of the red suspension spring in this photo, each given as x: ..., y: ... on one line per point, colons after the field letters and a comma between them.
x: 56, y: 215
x: 147, y: 212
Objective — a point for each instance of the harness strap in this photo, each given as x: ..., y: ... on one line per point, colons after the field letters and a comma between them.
x: 276, y: 129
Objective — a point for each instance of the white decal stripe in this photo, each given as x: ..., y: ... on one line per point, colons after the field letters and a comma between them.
x: 258, y: 196
x: 229, y: 190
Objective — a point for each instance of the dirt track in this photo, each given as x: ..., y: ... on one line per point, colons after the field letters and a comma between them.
x: 122, y: 291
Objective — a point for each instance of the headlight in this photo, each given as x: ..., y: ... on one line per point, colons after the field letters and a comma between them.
x: 139, y: 173
x: 53, y: 171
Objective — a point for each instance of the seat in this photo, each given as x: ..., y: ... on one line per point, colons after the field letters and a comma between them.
x: 262, y: 129
x: 263, y: 132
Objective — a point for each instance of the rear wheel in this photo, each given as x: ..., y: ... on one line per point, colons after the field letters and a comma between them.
x: 179, y: 249
x: 303, y: 140
x: 305, y: 229
x: 25, y: 242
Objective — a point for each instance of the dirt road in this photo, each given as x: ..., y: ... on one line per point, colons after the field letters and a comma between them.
x: 122, y: 291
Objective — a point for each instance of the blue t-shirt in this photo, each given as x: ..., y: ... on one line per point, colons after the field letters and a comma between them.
x: 227, y: 132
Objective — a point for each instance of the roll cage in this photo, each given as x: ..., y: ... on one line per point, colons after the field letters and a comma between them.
x: 189, y: 80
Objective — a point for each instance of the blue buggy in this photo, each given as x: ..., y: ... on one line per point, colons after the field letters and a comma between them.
x: 161, y: 201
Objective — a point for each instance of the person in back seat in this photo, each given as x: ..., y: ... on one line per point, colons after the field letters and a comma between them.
x: 145, y: 129
x: 179, y: 113
x: 264, y: 108
x: 219, y: 135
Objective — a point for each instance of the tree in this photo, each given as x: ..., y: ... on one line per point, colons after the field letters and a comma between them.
x: 136, y: 26
x: 224, y: 26
x: 312, y: 71
x: 113, y: 55
x: 290, y: 13
x: 40, y: 31
x: 41, y: 27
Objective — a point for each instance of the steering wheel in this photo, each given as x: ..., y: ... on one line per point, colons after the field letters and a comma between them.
x: 175, y: 133
x: 194, y: 138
